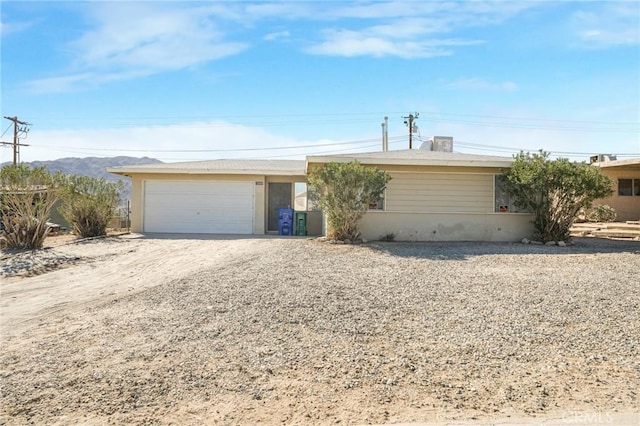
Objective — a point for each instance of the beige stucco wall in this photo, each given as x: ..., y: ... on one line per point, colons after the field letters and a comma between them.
x: 259, y: 221
x: 410, y: 226
x: 627, y: 208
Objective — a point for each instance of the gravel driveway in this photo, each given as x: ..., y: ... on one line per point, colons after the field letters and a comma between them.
x: 298, y: 331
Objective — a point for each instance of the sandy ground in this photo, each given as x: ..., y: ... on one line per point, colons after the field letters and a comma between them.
x: 175, y: 330
x: 95, y: 269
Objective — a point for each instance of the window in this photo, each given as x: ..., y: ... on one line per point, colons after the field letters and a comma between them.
x: 625, y: 187
x: 378, y: 204
x: 503, y: 202
x: 629, y: 187
x: 300, y: 203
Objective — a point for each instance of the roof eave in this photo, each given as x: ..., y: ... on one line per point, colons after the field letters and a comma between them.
x: 618, y: 163
x: 178, y: 171
x: 411, y: 162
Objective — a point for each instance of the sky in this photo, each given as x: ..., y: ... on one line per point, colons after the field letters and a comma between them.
x: 185, y: 81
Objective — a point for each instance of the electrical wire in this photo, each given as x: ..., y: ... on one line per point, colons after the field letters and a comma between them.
x: 6, y: 130
x: 217, y: 150
x: 288, y: 120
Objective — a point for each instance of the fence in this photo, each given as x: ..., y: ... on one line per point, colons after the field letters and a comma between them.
x: 121, y: 221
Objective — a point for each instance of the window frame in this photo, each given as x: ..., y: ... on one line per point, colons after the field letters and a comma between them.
x: 510, y: 206
x: 379, y: 204
x: 635, y: 187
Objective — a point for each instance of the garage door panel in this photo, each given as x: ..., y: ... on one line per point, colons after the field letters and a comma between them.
x: 198, y: 207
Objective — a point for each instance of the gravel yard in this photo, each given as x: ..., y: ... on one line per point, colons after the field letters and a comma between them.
x: 277, y: 330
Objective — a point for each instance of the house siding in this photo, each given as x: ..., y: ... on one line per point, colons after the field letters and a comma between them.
x: 440, y: 193
x: 443, y: 204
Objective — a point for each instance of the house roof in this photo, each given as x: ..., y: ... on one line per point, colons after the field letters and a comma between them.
x: 406, y: 157
x: 218, y: 167
x: 630, y: 163
x: 416, y: 157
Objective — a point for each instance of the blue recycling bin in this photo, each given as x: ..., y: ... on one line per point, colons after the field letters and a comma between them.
x: 285, y: 221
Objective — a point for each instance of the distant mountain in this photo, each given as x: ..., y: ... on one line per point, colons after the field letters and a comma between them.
x: 95, y: 167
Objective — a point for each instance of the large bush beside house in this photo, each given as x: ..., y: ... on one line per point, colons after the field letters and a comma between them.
x: 344, y: 192
x: 89, y: 204
x: 555, y: 191
x: 26, y: 199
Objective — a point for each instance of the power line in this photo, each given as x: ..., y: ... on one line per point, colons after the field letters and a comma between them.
x: 220, y: 150
x: 6, y: 130
x: 274, y: 120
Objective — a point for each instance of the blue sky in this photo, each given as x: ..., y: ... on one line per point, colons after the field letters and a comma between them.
x: 200, y: 80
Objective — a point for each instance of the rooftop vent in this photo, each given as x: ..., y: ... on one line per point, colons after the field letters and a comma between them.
x: 601, y: 158
x: 438, y: 143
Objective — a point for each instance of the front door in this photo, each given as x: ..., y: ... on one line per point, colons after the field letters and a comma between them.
x: 279, y: 196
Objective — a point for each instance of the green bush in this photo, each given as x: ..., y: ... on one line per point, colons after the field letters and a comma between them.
x: 555, y: 191
x: 89, y: 204
x: 26, y: 200
x: 601, y: 213
x: 344, y: 192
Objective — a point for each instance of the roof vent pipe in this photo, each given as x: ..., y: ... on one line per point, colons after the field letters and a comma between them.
x: 385, y: 134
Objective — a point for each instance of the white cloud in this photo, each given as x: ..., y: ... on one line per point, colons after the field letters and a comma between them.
x: 408, y: 29
x: 607, y: 24
x: 136, y: 39
x: 277, y: 36
x: 153, y: 37
x: 480, y: 84
x: 404, y: 41
x: 127, y: 40
x: 80, y: 81
x: 8, y: 28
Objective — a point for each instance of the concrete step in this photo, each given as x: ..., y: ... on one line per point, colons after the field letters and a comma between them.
x: 613, y: 225
x: 616, y: 233
x: 629, y: 230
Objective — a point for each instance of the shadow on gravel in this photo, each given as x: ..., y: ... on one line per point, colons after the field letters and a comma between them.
x: 204, y: 237
x: 465, y: 250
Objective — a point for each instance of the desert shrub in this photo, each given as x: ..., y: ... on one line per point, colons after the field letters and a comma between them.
x: 89, y: 204
x: 388, y: 237
x: 344, y: 191
x: 601, y: 213
x: 554, y: 191
x: 26, y: 198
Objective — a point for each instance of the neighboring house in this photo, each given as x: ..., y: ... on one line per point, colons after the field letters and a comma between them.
x: 625, y: 175
x: 433, y: 196
x: 214, y: 197
x: 35, y: 193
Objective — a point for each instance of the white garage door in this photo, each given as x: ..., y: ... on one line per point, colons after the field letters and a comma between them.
x: 198, y: 207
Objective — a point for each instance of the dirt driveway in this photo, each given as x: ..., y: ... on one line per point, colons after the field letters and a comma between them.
x: 70, y: 274
x: 272, y: 330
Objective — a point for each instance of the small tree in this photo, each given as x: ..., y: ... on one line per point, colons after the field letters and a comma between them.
x: 26, y: 198
x: 89, y: 204
x: 554, y: 191
x: 344, y: 192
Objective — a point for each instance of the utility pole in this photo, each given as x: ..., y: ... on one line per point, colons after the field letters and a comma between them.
x: 17, y: 130
x: 409, y: 122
